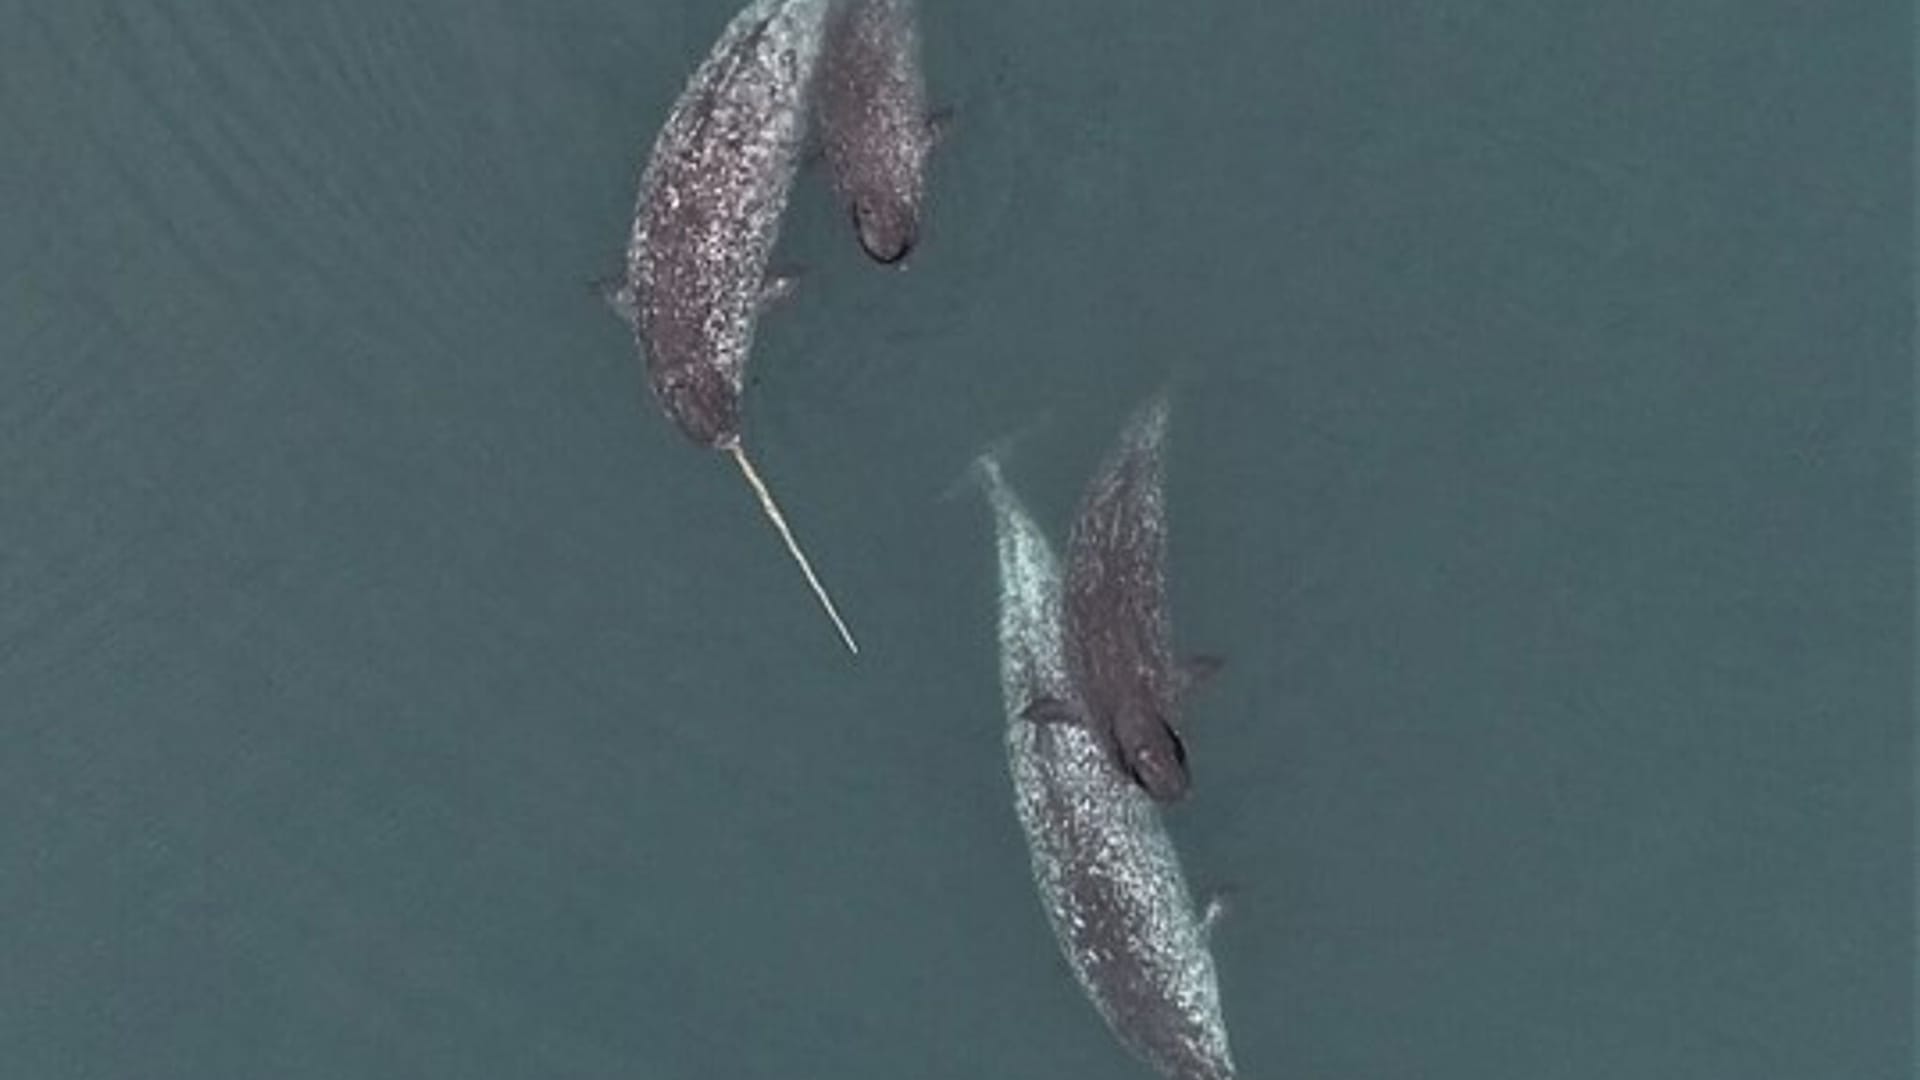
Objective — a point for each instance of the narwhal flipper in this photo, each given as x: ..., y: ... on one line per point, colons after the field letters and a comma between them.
x: 1219, y: 904
x: 939, y: 124
x: 1191, y: 671
x: 779, y: 285
x: 1049, y: 710
x: 618, y: 294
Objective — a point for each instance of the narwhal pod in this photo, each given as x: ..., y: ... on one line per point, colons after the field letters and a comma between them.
x: 1107, y: 873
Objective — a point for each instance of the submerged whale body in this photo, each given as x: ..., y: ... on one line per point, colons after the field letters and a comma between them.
x: 875, y: 126
x: 1106, y: 870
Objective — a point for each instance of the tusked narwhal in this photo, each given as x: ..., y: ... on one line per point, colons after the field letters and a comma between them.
x: 875, y: 127
x: 1106, y: 870
x: 705, y: 222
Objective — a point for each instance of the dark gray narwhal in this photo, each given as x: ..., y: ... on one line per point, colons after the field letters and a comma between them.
x: 876, y: 128
x: 1107, y: 873
x: 1115, y: 621
x: 705, y: 223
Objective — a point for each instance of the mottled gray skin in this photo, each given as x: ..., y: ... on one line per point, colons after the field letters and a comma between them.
x: 873, y: 117
x: 1107, y: 873
x: 1116, y: 609
x: 709, y: 209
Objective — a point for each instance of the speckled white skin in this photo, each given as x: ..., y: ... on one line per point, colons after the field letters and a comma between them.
x: 874, y: 122
x: 1108, y: 876
x: 709, y: 209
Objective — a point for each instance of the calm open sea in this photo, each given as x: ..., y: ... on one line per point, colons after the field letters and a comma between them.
x: 387, y: 691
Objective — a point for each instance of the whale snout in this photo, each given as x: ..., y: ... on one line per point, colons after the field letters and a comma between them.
x: 888, y: 229
x: 1152, y: 754
x: 704, y: 408
x: 1160, y: 770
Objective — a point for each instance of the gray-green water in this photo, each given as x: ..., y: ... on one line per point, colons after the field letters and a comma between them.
x: 389, y: 692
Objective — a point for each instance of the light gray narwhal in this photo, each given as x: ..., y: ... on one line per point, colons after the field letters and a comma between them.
x: 704, y: 226
x: 1108, y: 876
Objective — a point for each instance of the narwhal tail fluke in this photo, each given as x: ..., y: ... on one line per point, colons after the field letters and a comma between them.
x: 793, y: 546
x: 983, y: 473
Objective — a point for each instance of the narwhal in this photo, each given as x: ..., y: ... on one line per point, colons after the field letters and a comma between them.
x: 1115, y: 623
x: 1106, y: 870
x: 875, y: 127
x: 704, y: 226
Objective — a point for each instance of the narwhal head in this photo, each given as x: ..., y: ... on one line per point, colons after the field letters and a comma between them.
x: 887, y: 223
x: 1151, y: 752
x: 702, y: 402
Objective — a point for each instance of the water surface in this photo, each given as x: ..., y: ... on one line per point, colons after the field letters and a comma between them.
x: 390, y: 692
